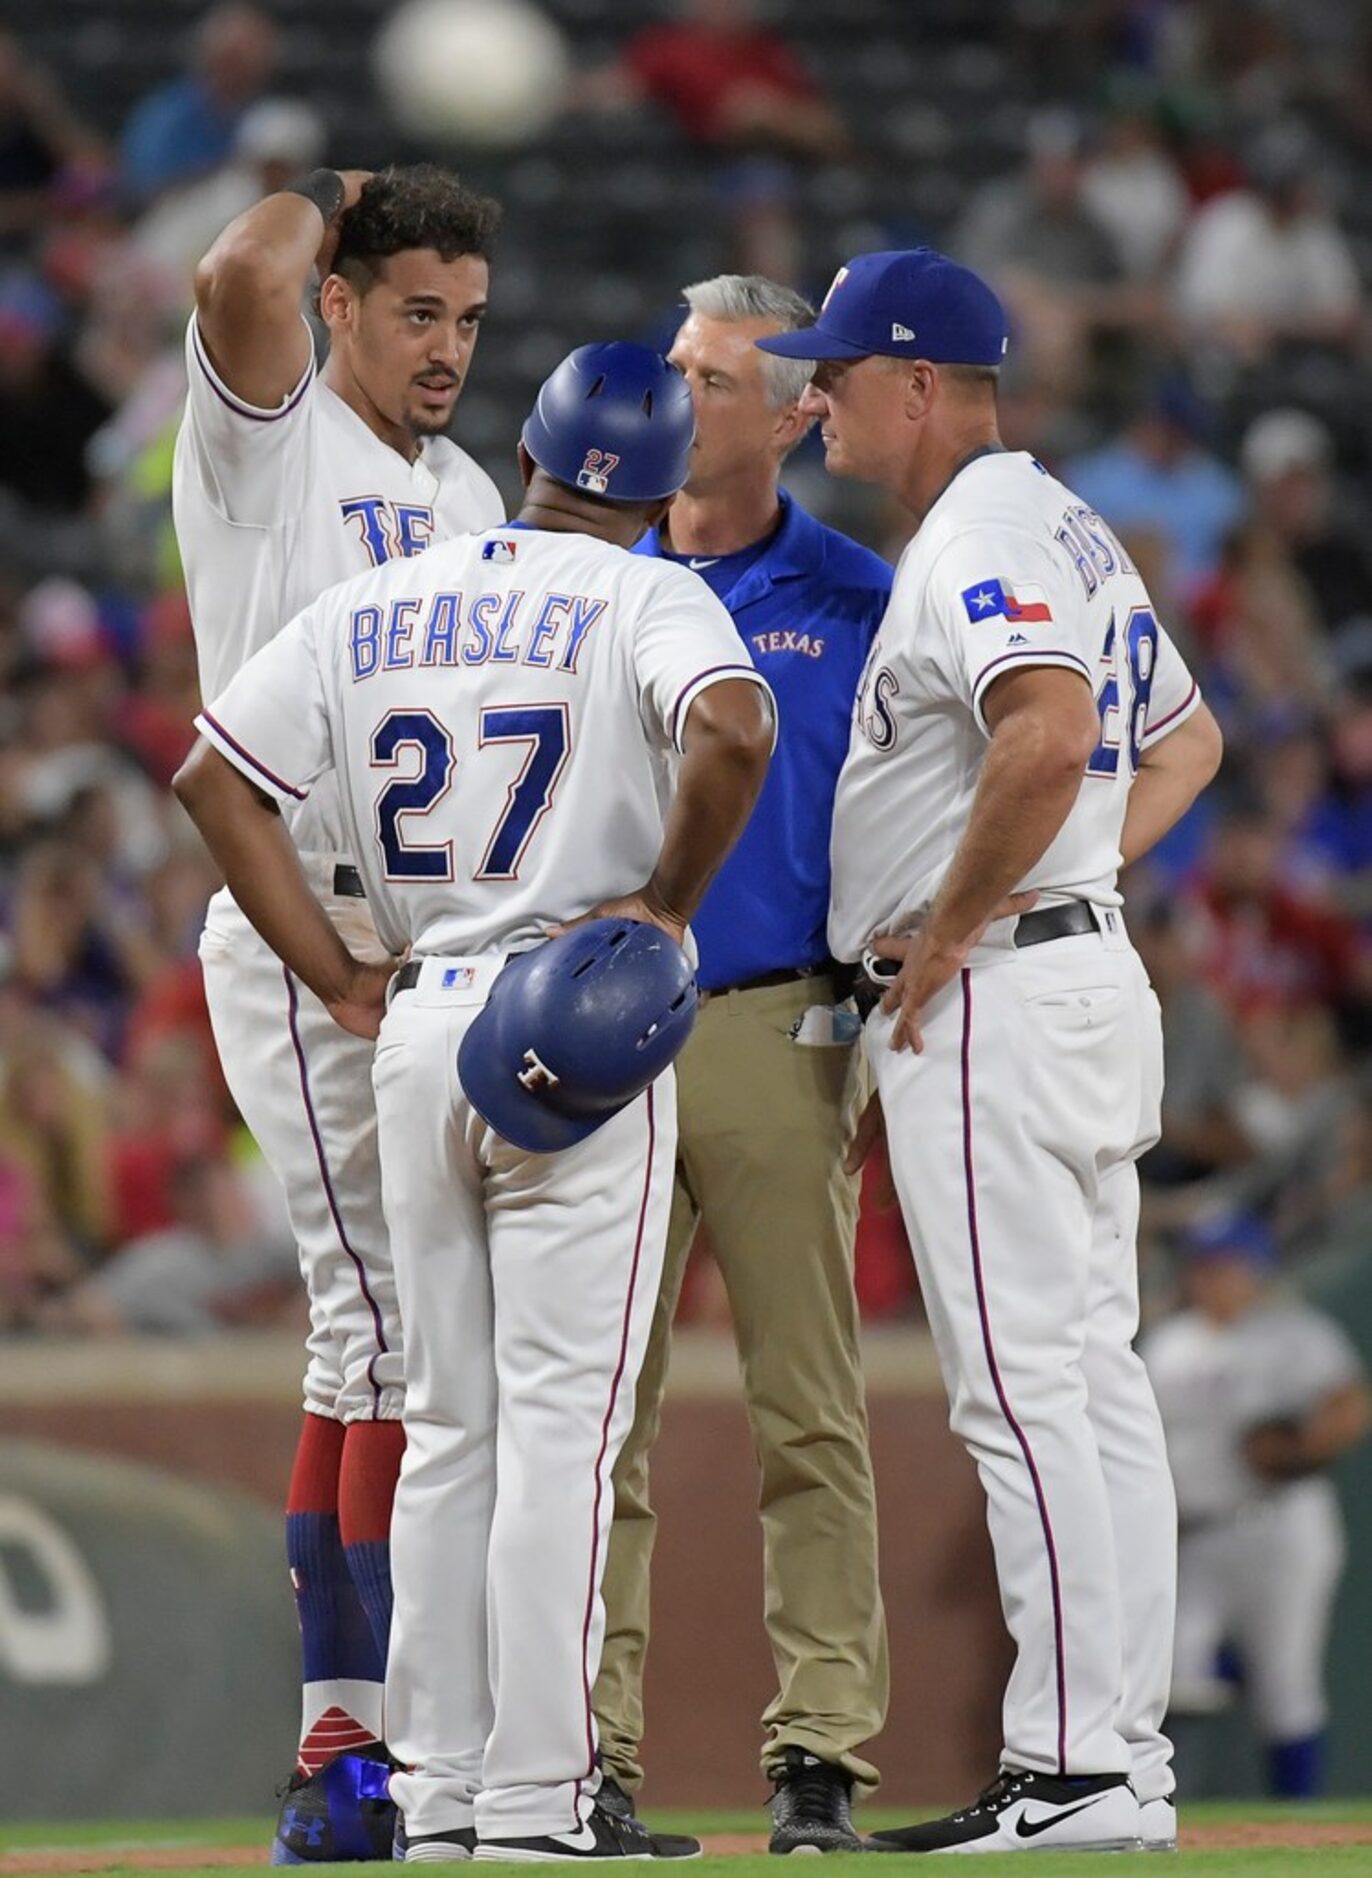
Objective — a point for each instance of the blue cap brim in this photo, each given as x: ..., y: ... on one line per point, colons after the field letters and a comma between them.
x: 811, y: 342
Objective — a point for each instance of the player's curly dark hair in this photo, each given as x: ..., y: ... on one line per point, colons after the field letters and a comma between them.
x: 420, y: 206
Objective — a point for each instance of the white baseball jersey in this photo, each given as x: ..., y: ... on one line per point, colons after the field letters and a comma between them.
x: 272, y: 507
x: 1008, y: 568
x: 1214, y: 1382
x: 476, y: 703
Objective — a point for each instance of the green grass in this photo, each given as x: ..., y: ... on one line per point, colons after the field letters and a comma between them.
x: 126, y: 1839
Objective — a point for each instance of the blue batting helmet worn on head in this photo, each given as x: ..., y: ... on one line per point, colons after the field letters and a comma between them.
x: 574, y: 1030
x: 616, y: 421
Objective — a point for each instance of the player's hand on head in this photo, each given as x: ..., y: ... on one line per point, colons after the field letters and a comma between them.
x: 361, y: 1004
x: 354, y: 182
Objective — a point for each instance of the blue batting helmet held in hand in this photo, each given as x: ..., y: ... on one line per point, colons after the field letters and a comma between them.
x: 615, y: 421
x: 575, y: 1029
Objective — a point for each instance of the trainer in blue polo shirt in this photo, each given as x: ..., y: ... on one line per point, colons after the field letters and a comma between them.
x: 766, y: 1098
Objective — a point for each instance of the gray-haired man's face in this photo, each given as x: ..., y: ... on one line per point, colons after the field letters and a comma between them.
x: 738, y: 428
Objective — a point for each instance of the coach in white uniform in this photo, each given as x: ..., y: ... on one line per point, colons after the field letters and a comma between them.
x: 286, y: 481
x: 503, y: 719
x: 1024, y: 723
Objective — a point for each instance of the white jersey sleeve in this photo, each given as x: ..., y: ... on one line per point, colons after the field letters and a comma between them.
x: 1174, y: 694
x: 252, y: 464
x: 997, y: 597
x: 684, y: 642
x: 272, y: 722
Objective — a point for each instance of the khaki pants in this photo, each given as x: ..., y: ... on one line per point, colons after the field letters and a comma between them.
x: 764, y: 1123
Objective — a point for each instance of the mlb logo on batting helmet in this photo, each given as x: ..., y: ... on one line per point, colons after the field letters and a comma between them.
x: 595, y: 473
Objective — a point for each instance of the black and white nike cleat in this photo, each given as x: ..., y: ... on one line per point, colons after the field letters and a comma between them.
x: 1026, y: 1812
x: 602, y: 1835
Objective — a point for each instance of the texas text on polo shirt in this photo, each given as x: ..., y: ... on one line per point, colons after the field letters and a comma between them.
x: 806, y: 605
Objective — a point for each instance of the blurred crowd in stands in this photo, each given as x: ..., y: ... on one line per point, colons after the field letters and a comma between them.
x: 1177, y: 234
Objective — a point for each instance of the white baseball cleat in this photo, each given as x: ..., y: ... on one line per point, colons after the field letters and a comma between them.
x: 1158, y: 1824
x: 1029, y: 1812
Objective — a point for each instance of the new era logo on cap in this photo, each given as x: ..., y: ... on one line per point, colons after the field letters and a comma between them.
x: 900, y: 332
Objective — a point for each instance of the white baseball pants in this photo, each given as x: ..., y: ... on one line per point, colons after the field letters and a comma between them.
x: 1013, y: 1139
x: 303, y: 1086
x: 527, y: 1285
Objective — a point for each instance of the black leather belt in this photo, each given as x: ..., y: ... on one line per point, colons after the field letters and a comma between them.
x: 1033, y: 929
x: 347, y: 882
x: 787, y: 975
x: 1056, y: 922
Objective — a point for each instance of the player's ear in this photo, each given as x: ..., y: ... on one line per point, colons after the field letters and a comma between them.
x: 920, y: 382
x: 791, y: 426
x: 335, y: 301
x: 527, y: 466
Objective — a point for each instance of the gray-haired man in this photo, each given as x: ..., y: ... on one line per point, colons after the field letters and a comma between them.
x: 767, y: 1093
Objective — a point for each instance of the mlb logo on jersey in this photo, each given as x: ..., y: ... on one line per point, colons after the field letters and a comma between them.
x: 459, y: 977
x: 500, y: 550
x: 997, y: 599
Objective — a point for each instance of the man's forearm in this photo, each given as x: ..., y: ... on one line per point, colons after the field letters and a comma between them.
x: 1025, y: 793
x: 270, y: 249
x: 247, y: 837
x: 727, y: 749
x: 1170, y: 777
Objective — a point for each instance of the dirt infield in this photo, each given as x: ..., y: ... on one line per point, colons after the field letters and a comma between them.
x: 38, y: 1863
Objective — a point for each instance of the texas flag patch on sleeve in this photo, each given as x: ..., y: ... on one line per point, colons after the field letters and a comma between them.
x: 997, y: 599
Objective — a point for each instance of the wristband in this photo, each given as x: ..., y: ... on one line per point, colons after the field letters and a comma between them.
x: 325, y: 188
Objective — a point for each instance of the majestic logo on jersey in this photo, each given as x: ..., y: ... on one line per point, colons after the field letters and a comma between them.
x: 997, y: 599
x: 501, y: 550
x: 834, y: 286
x: 903, y: 333
x: 537, y: 1076
x: 595, y: 473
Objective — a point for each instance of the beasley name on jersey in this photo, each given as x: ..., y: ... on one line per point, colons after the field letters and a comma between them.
x: 1008, y: 569
x: 501, y: 715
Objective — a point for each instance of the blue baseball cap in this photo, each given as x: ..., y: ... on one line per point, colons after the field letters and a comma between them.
x: 1240, y: 1235
x: 904, y: 303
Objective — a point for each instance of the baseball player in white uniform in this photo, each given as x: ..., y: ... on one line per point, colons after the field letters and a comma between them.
x: 1023, y: 723
x: 1259, y: 1393
x: 503, y: 719
x: 286, y: 481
